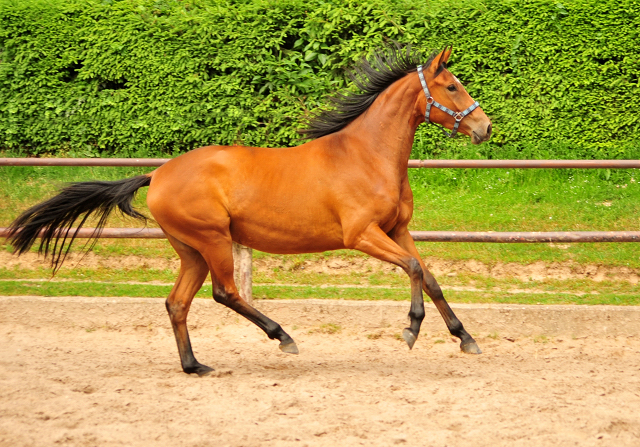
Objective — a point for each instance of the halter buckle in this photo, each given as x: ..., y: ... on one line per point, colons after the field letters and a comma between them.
x: 430, y: 100
x: 458, y: 116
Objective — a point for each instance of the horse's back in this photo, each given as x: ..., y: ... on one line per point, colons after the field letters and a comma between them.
x: 274, y: 200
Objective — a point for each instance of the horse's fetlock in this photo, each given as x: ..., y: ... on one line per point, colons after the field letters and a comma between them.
x: 457, y: 329
x: 417, y: 315
x: 274, y: 331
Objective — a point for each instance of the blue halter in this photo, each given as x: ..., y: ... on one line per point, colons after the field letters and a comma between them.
x: 432, y: 102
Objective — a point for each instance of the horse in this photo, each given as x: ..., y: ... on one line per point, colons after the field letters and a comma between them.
x: 345, y: 188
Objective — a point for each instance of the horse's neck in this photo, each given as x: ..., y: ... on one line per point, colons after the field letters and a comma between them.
x: 388, y: 127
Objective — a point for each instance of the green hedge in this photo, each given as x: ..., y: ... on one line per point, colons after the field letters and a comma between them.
x: 152, y: 77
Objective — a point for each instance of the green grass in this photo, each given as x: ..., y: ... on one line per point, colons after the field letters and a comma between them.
x: 100, y: 274
x: 267, y: 292
x: 37, y: 288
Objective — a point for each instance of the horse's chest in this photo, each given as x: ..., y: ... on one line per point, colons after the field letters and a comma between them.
x: 390, y: 218
x: 391, y: 207
x: 387, y: 211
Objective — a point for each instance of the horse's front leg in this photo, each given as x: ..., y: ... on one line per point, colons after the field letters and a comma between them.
x: 374, y: 242
x: 431, y: 288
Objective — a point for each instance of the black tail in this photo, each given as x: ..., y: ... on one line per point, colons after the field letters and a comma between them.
x: 52, y: 220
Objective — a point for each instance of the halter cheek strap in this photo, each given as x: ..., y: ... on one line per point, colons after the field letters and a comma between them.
x: 432, y: 102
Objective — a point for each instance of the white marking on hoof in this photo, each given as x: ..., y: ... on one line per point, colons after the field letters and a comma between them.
x: 470, y: 348
x: 409, y: 337
x: 290, y: 348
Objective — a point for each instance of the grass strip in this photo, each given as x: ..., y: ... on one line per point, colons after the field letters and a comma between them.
x: 350, y: 280
x: 68, y: 288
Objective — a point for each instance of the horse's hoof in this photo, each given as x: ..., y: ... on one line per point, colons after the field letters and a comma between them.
x: 206, y: 371
x: 470, y: 348
x: 409, y: 337
x: 200, y: 370
x: 289, y: 348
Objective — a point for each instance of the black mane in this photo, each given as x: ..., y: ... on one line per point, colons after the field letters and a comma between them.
x: 371, y: 78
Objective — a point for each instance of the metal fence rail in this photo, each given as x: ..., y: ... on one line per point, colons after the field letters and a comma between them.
x: 527, y: 164
x: 83, y: 161
x: 522, y: 164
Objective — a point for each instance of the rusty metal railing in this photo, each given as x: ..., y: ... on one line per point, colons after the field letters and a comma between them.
x: 83, y: 161
x: 521, y: 164
x: 527, y: 164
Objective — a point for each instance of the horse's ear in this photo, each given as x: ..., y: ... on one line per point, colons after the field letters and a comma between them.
x: 446, y: 53
x: 438, y: 61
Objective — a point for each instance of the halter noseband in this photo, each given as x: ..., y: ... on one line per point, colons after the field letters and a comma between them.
x: 432, y: 102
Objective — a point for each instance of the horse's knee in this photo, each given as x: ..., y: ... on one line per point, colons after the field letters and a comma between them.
x: 433, y: 288
x: 177, y: 310
x: 414, y: 270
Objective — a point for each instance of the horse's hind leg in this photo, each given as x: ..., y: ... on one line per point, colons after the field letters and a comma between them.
x: 193, y: 272
x: 219, y: 257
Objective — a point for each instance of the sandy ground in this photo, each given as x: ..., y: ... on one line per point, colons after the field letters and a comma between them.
x: 105, y: 372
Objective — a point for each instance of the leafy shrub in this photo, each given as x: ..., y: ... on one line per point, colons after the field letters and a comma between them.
x: 154, y: 77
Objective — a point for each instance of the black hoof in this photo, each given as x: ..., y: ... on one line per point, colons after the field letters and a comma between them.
x: 289, y: 348
x: 199, y: 369
x: 409, y: 337
x: 470, y: 348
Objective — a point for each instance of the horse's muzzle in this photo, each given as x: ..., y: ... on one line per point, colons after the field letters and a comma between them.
x: 480, y: 136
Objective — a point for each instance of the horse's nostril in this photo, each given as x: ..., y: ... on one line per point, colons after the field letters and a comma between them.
x: 489, y: 129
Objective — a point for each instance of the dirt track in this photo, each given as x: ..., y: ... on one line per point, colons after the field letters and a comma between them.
x: 105, y: 372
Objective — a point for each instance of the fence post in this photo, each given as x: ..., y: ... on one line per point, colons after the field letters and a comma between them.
x: 243, y: 271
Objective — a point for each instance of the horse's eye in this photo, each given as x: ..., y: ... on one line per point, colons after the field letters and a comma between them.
x: 452, y: 88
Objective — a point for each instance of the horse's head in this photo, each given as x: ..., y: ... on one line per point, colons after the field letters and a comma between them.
x: 447, y: 103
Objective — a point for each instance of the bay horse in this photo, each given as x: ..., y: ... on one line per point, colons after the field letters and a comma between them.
x: 345, y: 188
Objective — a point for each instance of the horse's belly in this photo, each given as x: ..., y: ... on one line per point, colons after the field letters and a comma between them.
x: 292, y: 238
